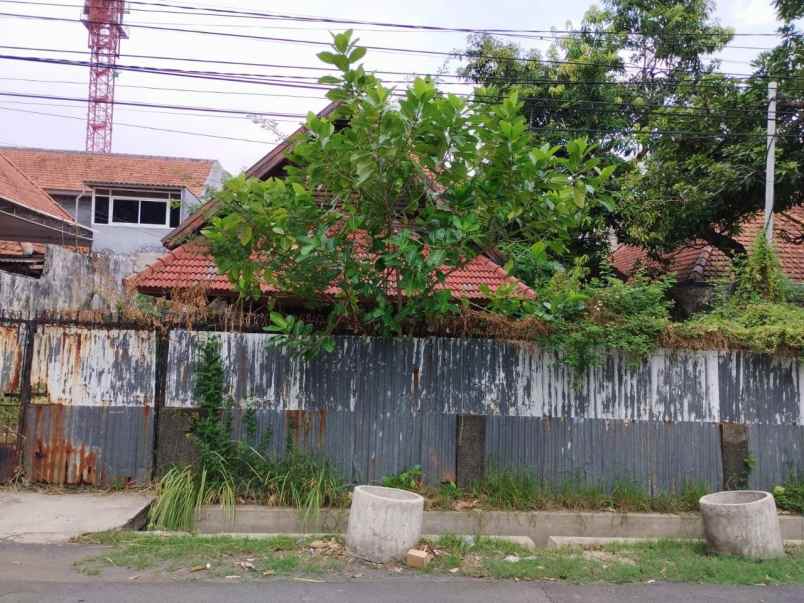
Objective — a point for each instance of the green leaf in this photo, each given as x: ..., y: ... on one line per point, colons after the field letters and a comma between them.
x: 357, y: 54
x: 341, y: 40
x: 329, y: 79
x: 328, y: 57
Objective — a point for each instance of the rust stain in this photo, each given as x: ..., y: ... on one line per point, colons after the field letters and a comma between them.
x: 322, y: 427
x: 9, y: 340
x: 56, y: 459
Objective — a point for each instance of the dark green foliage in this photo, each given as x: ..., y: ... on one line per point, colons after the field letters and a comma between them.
x: 790, y: 495
x: 409, y: 479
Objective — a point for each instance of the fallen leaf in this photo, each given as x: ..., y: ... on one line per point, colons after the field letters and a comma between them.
x: 232, y: 577
x: 318, y: 544
x: 247, y: 565
x: 454, y: 570
x: 308, y: 580
x: 357, y: 575
x: 268, y: 573
x: 200, y: 568
x: 133, y: 577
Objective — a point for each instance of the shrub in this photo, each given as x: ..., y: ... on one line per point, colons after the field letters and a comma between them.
x: 409, y: 479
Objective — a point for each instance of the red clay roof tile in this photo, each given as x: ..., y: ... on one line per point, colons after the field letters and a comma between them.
x: 191, y: 265
x: 18, y: 188
x: 69, y: 170
x: 701, y: 262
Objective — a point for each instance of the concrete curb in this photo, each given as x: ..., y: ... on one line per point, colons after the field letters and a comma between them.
x: 539, y: 526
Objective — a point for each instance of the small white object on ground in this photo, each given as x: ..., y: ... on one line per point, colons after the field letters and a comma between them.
x: 742, y: 522
x: 384, y: 523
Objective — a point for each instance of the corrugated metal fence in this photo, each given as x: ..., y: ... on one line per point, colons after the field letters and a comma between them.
x: 378, y: 406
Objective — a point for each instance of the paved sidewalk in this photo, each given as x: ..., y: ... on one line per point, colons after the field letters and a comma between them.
x: 37, y: 517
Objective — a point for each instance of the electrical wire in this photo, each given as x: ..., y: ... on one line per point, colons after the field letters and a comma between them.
x: 227, y: 12
x: 144, y: 127
x: 419, y: 51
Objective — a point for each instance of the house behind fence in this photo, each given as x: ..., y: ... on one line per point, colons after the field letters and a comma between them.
x: 104, y: 404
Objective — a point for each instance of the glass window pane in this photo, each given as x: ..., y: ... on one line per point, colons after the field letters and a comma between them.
x: 125, y: 211
x: 101, y: 210
x: 153, y: 212
x: 175, y: 214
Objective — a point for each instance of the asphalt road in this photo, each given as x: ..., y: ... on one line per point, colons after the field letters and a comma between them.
x: 390, y: 591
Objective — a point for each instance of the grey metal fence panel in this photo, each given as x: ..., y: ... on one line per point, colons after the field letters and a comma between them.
x: 658, y: 456
x: 758, y: 388
x: 777, y: 452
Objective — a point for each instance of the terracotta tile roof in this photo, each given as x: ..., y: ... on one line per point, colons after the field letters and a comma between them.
x: 15, y: 249
x: 191, y: 265
x: 701, y: 262
x: 17, y: 187
x: 69, y: 170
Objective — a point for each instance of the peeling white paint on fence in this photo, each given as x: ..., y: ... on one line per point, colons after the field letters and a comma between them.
x: 464, y: 376
x: 79, y: 366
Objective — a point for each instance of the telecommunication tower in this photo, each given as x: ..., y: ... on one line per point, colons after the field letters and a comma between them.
x: 104, y: 21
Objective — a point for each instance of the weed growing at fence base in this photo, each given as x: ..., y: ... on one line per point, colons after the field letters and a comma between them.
x: 230, y: 470
x: 790, y: 495
x: 506, y: 489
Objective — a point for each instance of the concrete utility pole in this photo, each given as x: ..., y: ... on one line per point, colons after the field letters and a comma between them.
x: 770, y: 165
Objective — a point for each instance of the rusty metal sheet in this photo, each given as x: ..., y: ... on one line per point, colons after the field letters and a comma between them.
x: 12, y: 345
x: 110, y: 445
x: 79, y: 366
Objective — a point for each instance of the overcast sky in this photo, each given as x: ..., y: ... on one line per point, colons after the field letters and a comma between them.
x: 65, y: 128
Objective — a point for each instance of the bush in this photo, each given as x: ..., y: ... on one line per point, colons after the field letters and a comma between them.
x: 409, y: 479
x: 790, y: 495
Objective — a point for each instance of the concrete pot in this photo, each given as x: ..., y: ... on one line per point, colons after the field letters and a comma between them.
x: 742, y: 522
x: 383, y: 523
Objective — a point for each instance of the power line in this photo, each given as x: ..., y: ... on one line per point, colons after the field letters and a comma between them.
x: 167, y: 89
x: 226, y: 12
x: 419, y: 51
x: 143, y: 127
x: 277, y: 79
x: 317, y: 67
x: 718, y: 134
x: 157, y: 106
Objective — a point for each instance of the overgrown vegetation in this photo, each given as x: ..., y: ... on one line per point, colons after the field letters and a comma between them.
x: 521, y: 490
x: 790, y: 495
x: 754, y: 309
x: 231, y: 470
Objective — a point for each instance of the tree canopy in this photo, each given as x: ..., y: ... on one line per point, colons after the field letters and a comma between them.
x: 392, y: 191
x: 638, y: 78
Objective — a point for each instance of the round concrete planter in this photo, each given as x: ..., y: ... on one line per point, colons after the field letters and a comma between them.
x: 383, y: 523
x: 742, y: 522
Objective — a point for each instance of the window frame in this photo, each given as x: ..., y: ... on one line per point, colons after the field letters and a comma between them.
x: 168, y: 200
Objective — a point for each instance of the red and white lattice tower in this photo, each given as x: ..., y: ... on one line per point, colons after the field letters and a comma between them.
x: 104, y: 20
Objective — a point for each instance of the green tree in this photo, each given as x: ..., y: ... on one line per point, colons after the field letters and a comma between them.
x: 373, y: 215
x: 649, y: 92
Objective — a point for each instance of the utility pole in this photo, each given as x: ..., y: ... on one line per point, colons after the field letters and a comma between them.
x: 770, y: 165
